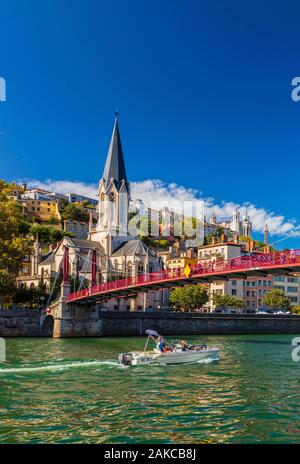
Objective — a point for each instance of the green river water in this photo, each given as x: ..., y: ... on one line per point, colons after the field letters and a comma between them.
x: 73, y: 391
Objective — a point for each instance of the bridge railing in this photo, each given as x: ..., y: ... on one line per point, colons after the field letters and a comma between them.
x: 247, y: 262
x: 241, y: 263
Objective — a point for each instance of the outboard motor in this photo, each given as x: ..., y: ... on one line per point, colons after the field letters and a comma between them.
x: 125, y: 359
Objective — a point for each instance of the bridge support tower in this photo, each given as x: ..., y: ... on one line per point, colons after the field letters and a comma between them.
x: 73, y: 319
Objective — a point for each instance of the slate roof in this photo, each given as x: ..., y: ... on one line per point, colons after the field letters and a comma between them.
x: 50, y: 258
x: 115, y: 165
x: 79, y: 243
x: 137, y: 247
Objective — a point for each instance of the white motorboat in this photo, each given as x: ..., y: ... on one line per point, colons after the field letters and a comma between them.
x: 176, y: 353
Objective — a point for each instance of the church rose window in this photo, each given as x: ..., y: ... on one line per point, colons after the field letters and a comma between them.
x: 102, y: 197
x: 112, y: 196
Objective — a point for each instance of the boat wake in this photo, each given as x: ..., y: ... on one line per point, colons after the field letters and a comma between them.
x: 57, y: 367
x: 208, y: 360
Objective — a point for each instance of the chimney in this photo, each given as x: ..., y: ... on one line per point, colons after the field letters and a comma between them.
x: 224, y: 238
x: 213, y: 240
x: 267, y: 249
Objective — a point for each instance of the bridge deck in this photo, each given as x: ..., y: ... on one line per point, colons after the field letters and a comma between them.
x: 279, y: 263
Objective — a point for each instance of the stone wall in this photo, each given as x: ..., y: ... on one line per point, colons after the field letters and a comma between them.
x: 135, y: 323
x: 76, y: 322
x: 23, y: 323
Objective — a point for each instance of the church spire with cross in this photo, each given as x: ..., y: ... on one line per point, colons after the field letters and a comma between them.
x: 115, y: 165
x: 112, y: 225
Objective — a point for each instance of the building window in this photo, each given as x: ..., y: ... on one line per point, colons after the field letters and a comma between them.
x: 140, y: 268
x: 233, y: 282
x: 292, y: 289
x: 279, y: 287
x: 233, y: 291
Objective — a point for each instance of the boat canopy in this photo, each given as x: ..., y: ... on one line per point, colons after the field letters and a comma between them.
x: 152, y: 333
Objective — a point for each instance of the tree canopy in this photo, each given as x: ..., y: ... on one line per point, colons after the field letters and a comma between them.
x: 14, y: 241
x: 48, y: 234
x: 74, y: 212
x: 224, y: 301
x: 189, y: 298
x: 276, y: 299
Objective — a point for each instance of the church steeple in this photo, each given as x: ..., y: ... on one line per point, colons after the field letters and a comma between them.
x: 112, y: 225
x: 115, y: 165
x: 266, y: 235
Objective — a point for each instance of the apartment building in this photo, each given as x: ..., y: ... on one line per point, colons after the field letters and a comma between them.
x: 219, y: 251
x: 254, y: 290
x: 291, y: 287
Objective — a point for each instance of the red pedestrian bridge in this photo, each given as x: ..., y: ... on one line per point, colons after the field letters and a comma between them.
x: 254, y: 265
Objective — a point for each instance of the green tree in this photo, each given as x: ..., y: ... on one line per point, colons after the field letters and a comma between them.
x: 49, y: 234
x: 189, y: 298
x: 276, y: 299
x: 295, y: 309
x: 32, y: 297
x: 219, y: 232
x: 224, y: 301
x: 74, y: 212
x: 14, y: 243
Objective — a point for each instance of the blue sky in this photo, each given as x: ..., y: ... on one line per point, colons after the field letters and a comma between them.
x: 203, y: 90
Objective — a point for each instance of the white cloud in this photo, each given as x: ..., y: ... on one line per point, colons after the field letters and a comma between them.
x: 156, y: 190
x: 65, y: 186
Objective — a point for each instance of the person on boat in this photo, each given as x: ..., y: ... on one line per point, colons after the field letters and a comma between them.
x: 183, y: 345
x: 161, y: 344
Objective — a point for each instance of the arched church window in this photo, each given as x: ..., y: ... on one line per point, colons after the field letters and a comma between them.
x: 140, y: 268
x: 111, y: 196
x: 102, y: 197
x: 129, y: 269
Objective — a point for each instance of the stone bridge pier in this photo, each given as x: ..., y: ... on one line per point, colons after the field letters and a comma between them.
x: 75, y: 320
